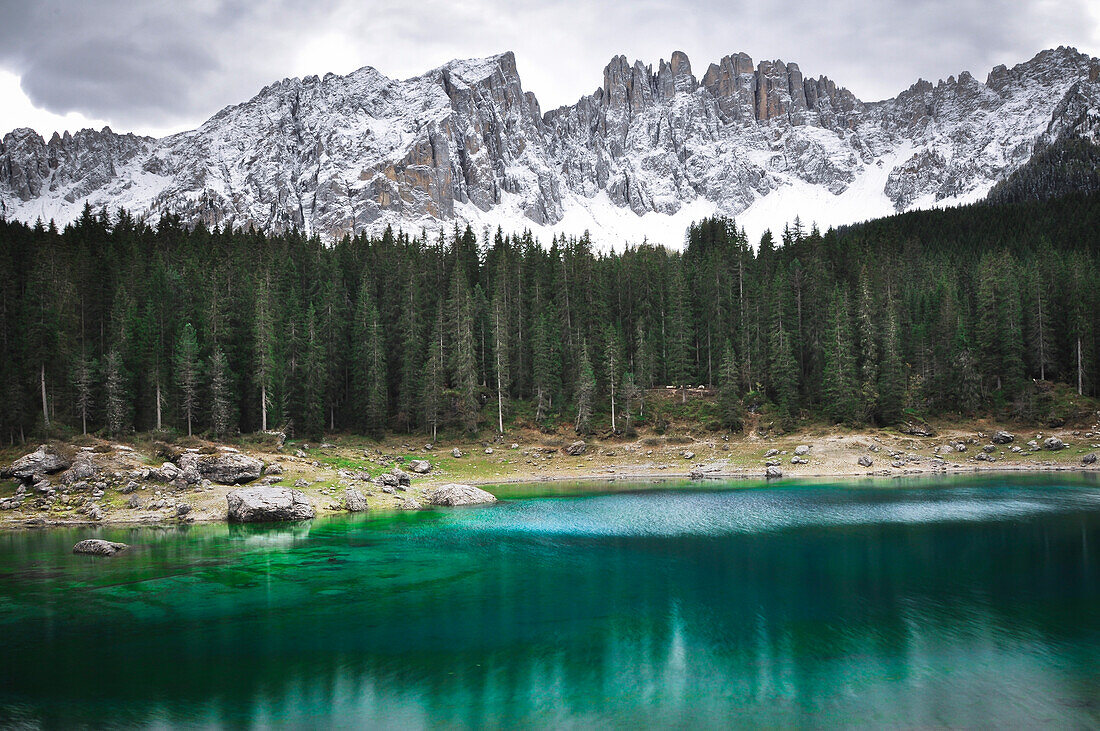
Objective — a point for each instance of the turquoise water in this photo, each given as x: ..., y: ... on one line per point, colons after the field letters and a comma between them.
x: 939, y: 602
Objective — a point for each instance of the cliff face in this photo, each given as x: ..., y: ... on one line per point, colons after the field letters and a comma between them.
x: 465, y: 142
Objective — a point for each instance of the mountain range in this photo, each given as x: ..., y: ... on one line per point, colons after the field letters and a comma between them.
x: 650, y: 150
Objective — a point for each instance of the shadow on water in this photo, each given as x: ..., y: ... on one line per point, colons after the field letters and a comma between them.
x: 968, y: 602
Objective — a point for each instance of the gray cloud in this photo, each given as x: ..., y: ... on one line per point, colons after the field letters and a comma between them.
x: 164, y: 63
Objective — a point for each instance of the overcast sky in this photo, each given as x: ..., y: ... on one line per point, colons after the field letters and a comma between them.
x: 157, y: 66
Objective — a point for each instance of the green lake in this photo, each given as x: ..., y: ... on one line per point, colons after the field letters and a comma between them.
x: 936, y: 602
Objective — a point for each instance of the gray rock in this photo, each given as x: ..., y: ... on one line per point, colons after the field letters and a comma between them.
x: 960, y: 447
x: 576, y: 449
x: 420, y: 466
x: 801, y: 449
x: 488, y: 450
x: 388, y: 490
x: 134, y: 502
x: 688, y: 455
x: 228, y: 468
x: 273, y: 469
x: 402, y: 477
x: 43, y: 461
x: 300, y: 454
x: 388, y: 479
x: 82, y: 469
x: 1003, y: 437
x: 453, y: 495
x: 182, y: 509
x: 263, y: 504
x: 354, y: 501
x: 773, y: 472
x: 410, y: 504
x: 1089, y: 458
x: 799, y: 460
x: 98, y: 547
x: 1053, y: 444
x: 456, y: 453
x: 865, y: 461
x: 989, y: 449
x: 300, y: 483
x: 1033, y: 444
x: 771, y: 453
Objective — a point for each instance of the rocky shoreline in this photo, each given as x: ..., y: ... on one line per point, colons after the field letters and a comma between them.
x: 109, y: 483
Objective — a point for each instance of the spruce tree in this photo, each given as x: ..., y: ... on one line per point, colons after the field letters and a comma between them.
x: 840, y: 392
x: 891, y: 377
x: 434, y: 377
x: 462, y: 361
x: 729, y: 390
x: 221, y: 394
x: 868, y: 346
x: 369, y: 362
x: 585, y: 393
x: 116, y: 394
x: 187, y: 372
x: 83, y: 379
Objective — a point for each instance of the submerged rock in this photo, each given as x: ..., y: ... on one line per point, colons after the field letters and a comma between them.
x: 452, y: 495
x: 261, y: 504
x: 98, y: 547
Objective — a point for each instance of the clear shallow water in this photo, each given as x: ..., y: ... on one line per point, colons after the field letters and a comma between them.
x: 972, y: 601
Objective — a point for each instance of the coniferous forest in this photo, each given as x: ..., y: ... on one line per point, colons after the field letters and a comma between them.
x: 112, y: 325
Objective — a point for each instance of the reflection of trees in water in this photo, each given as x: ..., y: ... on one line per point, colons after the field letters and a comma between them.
x: 455, y: 627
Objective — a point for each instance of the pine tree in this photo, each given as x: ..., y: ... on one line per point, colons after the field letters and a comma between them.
x: 434, y: 377
x: 83, y: 382
x: 613, y: 364
x: 221, y: 394
x: 891, y: 377
x: 501, y: 351
x: 729, y: 390
x: 546, y: 361
x: 369, y: 363
x: 678, y: 364
x: 840, y: 393
x: 116, y: 395
x: 313, y: 377
x: 264, y: 346
x: 462, y: 362
x: 632, y: 398
x: 585, y: 393
x: 187, y: 366
x: 868, y: 356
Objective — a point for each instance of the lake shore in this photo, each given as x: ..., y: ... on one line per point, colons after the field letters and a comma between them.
x: 124, y: 485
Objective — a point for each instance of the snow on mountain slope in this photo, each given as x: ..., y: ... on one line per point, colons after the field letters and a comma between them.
x: 640, y: 158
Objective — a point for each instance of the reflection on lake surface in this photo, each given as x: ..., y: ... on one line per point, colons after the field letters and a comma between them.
x: 969, y: 601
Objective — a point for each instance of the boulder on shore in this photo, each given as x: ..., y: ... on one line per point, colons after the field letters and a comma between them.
x: 1003, y: 437
x: 264, y: 504
x: 98, y: 547
x: 1089, y: 458
x: 576, y: 449
x: 43, y: 461
x: 230, y: 468
x: 420, y: 466
x: 453, y: 495
x: 354, y: 500
x: 773, y: 472
x: 1053, y: 444
x: 865, y: 461
x: 82, y: 469
x: 801, y: 450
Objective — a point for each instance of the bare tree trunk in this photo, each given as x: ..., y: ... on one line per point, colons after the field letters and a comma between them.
x: 613, y: 429
x: 1080, y: 370
x: 158, y: 403
x: 500, y: 401
x: 45, y: 410
x: 263, y: 407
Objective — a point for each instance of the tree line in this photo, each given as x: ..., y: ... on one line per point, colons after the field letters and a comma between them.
x: 112, y: 325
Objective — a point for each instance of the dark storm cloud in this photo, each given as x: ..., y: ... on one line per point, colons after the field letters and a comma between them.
x: 172, y: 63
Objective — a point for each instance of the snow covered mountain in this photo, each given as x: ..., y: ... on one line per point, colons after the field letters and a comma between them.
x: 642, y: 156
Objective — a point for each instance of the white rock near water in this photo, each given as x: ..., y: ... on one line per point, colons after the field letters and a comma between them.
x: 453, y: 495
x: 652, y: 149
x: 266, y: 503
